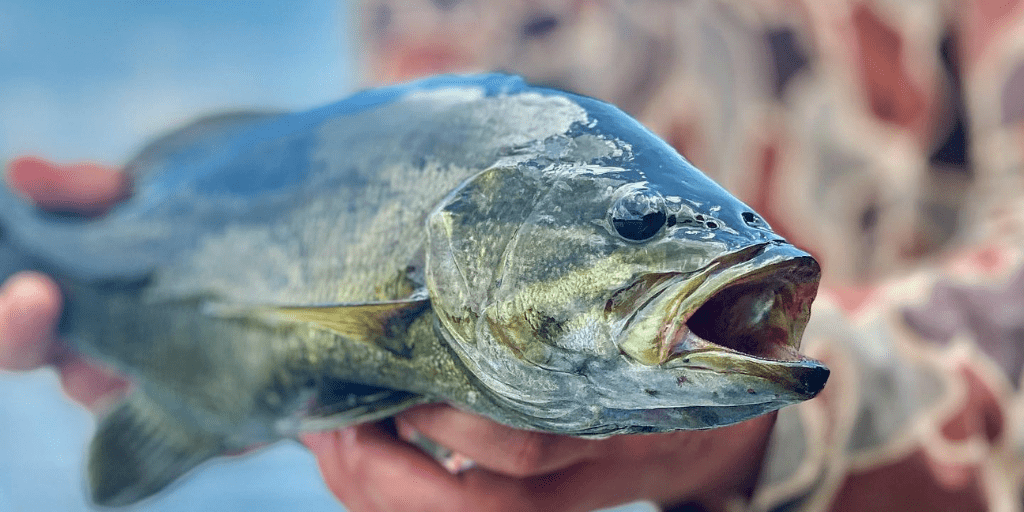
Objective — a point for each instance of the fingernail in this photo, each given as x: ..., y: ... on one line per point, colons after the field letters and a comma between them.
x: 406, y: 430
x: 29, y: 309
x: 347, y: 436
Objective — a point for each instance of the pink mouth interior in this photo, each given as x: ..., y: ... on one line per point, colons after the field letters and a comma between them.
x: 763, y: 318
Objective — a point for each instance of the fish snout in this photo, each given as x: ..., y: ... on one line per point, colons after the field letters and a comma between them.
x: 811, y: 378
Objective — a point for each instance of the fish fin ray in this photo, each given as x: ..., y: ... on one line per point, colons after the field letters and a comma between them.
x: 377, y: 323
x: 139, y: 448
x: 340, y: 403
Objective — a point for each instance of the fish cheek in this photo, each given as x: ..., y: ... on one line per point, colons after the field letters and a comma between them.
x: 524, y: 336
x: 467, y: 236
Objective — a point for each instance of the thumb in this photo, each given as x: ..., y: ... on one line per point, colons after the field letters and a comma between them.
x: 86, y: 189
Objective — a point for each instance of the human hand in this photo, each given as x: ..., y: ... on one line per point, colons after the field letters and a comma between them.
x: 370, y: 469
x: 30, y: 302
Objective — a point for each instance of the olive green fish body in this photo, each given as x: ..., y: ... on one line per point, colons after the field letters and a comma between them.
x: 527, y: 254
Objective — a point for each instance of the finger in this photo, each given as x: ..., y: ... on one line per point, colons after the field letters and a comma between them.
x: 87, y: 189
x: 30, y: 306
x: 327, y: 447
x: 370, y: 470
x: 496, y: 447
x: 586, y: 487
x: 89, y: 384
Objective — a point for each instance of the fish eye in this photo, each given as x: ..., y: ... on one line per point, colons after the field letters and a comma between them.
x: 638, y: 214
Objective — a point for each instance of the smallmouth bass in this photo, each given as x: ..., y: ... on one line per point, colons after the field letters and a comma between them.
x: 526, y: 254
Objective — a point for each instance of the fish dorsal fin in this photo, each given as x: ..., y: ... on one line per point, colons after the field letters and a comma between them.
x: 379, y: 323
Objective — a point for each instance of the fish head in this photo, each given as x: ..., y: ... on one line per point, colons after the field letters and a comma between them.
x: 626, y: 293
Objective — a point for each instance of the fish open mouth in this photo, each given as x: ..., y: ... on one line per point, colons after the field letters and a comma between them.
x: 762, y: 313
x: 744, y: 314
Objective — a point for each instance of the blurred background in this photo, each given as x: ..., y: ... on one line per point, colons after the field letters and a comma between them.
x: 83, y: 80
x: 885, y: 136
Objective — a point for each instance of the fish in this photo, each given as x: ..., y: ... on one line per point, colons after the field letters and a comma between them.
x: 523, y: 253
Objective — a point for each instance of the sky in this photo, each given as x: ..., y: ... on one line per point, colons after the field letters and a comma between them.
x: 93, y: 80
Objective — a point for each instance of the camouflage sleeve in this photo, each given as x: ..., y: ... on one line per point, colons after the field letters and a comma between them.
x: 887, y: 137
x: 923, y: 408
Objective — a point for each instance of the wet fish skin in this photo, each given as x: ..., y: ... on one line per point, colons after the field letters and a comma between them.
x: 447, y: 240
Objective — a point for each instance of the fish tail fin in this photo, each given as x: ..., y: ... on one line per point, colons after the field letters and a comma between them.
x: 34, y: 239
x: 30, y: 236
x: 140, y: 448
x: 201, y: 138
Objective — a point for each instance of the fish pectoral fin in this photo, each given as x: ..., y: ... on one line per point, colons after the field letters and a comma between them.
x: 139, y: 448
x: 341, y: 403
x: 378, y: 323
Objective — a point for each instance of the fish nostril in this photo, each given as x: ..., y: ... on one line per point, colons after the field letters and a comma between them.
x: 753, y: 220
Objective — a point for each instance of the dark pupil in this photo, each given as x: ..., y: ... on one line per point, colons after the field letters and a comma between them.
x: 642, y: 228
